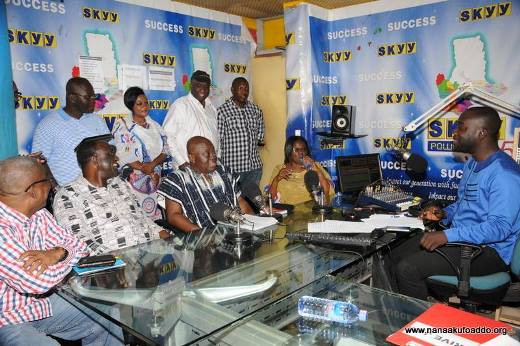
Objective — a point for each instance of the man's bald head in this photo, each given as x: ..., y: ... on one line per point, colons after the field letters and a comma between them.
x: 201, y: 154
x: 75, y: 83
x: 194, y: 142
x: 18, y: 172
x: 488, y: 119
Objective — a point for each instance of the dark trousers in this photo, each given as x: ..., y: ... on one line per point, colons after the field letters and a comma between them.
x: 412, y: 265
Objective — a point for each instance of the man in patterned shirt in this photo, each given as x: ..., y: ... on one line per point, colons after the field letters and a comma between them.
x: 35, y: 255
x: 99, y: 207
x: 241, y: 130
x: 191, y: 191
x: 59, y: 133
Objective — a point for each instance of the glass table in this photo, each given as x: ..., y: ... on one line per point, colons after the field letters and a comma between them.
x: 386, y: 313
x: 174, y: 292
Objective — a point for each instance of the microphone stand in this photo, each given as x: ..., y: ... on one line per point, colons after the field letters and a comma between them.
x: 321, y: 208
x: 239, y: 238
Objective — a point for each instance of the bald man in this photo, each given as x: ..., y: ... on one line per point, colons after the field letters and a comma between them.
x: 191, y: 191
x: 59, y: 133
x: 35, y: 255
x: 487, y: 210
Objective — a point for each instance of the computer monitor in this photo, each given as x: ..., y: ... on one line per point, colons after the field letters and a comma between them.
x: 355, y: 172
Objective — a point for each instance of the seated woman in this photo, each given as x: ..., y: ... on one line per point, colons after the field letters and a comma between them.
x: 192, y: 190
x: 287, y: 183
x: 142, y: 147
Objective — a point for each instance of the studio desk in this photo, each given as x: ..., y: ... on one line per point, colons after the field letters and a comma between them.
x: 208, y: 291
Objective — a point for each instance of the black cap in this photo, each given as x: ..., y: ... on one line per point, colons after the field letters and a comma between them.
x: 107, y: 138
x: 201, y: 76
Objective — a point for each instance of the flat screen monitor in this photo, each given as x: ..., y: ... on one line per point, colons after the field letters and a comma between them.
x: 355, y: 172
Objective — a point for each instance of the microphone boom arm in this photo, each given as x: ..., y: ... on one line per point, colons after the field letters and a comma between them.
x: 466, y: 90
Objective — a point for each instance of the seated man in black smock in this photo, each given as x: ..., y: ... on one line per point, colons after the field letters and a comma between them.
x: 192, y: 190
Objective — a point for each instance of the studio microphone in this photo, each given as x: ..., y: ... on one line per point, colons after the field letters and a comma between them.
x: 415, y: 162
x: 252, y: 192
x: 312, y: 183
x: 225, y: 213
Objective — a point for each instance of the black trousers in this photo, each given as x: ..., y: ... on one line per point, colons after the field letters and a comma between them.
x: 412, y: 265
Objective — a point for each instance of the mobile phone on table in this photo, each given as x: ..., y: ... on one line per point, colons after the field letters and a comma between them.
x: 96, y: 261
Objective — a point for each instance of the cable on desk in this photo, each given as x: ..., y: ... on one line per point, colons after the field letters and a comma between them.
x: 352, y: 252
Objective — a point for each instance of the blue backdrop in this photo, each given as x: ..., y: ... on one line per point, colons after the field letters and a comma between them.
x: 394, y: 65
x: 48, y: 37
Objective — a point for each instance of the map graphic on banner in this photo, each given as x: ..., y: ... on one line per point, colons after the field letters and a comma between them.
x: 393, y: 65
x: 117, y: 45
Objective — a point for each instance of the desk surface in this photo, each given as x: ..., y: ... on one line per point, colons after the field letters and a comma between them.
x: 157, y: 294
x: 386, y: 313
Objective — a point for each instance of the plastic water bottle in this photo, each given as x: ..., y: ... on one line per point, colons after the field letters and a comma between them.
x: 338, y: 200
x: 330, y: 310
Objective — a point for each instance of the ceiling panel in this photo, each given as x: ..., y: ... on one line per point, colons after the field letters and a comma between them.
x: 262, y: 8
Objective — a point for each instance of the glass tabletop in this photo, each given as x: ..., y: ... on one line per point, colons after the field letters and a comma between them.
x: 280, y: 323
x: 185, y: 290
x: 190, y: 288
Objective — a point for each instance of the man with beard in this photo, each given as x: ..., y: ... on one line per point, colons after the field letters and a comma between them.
x: 99, y: 207
x: 59, y: 133
x: 487, y: 210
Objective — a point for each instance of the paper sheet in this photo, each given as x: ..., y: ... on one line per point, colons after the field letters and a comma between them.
x: 255, y: 223
x: 335, y: 226
x: 384, y: 220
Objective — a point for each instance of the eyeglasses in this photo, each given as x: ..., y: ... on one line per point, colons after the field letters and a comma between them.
x: 88, y: 97
x: 51, y: 180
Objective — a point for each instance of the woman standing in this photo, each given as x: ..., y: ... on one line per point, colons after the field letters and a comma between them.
x: 142, y: 147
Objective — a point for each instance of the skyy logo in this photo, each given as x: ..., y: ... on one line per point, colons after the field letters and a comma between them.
x: 395, y: 98
x: 158, y: 104
x: 402, y: 48
x: 333, y: 100
x: 338, y: 56
x: 292, y: 84
x: 235, y: 68
x: 32, y: 38
x: 38, y: 103
x: 290, y: 38
x: 100, y: 14
x: 486, y: 12
x: 392, y: 142
x: 201, y: 32
x: 159, y: 59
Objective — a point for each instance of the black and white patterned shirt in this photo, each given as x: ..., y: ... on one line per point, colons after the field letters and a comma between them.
x: 196, y: 195
x: 240, y: 129
x: 106, y: 218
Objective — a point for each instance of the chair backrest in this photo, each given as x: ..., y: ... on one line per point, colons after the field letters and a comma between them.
x: 515, y: 260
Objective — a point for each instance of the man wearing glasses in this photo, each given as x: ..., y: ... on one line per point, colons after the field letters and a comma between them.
x: 59, y: 133
x: 35, y: 255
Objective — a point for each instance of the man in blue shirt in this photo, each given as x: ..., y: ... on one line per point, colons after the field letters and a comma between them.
x: 59, y: 133
x: 487, y: 210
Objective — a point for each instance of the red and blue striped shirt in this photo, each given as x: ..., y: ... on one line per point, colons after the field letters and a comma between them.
x: 21, y: 293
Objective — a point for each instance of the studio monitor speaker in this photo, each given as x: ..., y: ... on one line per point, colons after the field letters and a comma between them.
x: 343, y: 120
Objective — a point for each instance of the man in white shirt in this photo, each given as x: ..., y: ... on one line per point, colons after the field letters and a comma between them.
x: 191, y: 115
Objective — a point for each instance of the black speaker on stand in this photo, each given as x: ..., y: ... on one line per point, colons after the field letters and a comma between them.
x: 343, y: 120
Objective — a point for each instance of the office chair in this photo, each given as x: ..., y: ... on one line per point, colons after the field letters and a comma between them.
x: 487, y: 290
